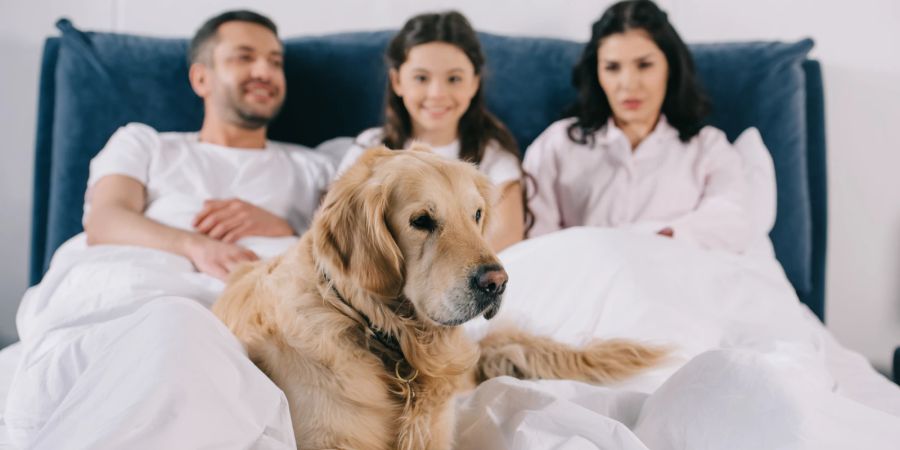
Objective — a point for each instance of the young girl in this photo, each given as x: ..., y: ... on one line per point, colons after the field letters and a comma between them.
x: 434, y: 96
x: 635, y: 153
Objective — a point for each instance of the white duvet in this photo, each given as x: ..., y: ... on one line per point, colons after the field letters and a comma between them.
x: 752, y: 369
x: 119, y: 351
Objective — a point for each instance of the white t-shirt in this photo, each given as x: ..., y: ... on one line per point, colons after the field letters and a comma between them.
x: 696, y: 188
x: 180, y: 173
x: 499, y: 166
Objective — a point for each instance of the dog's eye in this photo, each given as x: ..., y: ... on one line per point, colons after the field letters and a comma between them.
x: 478, y: 216
x: 424, y: 223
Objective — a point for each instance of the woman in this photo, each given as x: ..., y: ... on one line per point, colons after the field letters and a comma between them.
x: 635, y: 153
x: 434, y: 95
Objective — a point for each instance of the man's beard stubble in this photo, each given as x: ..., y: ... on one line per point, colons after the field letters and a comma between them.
x: 246, y: 118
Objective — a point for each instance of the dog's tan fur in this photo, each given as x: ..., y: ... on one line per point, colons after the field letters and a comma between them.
x: 407, y: 282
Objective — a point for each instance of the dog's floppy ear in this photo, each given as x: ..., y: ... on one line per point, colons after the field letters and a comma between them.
x: 351, y: 234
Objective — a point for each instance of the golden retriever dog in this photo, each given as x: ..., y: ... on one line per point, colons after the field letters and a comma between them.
x: 358, y: 323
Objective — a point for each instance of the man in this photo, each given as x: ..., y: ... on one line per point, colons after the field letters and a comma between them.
x: 119, y: 349
x: 236, y: 67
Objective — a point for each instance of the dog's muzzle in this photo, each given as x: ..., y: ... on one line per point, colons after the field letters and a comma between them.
x: 487, y: 282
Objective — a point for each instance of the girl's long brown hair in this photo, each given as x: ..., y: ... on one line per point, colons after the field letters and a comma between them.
x: 477, y: 127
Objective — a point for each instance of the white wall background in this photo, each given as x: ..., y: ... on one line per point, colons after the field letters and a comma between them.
x: 857, y: 42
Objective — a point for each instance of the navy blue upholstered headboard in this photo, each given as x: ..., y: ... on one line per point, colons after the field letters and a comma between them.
x: 92, y: 83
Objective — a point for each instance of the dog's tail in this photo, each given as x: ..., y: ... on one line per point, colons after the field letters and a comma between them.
x: 522, y: 355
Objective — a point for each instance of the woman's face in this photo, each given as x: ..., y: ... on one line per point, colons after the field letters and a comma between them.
x: 633, y: 73
x: 436, y: 82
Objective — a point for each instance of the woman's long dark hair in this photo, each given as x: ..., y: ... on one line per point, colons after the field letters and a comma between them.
x: 477, y: 126
x: 685, y: 105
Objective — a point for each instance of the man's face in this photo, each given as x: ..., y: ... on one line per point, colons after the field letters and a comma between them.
x: 242, y: 81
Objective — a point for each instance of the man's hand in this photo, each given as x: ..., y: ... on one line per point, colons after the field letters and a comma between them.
x: 232, y: 219
x: 216, y: 258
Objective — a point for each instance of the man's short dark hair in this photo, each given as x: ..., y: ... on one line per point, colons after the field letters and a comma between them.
x: 206, y: 35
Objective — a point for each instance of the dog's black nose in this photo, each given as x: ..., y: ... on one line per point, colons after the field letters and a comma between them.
x: 490, y: 279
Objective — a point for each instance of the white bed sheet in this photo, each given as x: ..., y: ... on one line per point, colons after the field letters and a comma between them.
x: 857, y: 381
x: 752, y: 368
x: 9, y: 359
x: 120, y: 350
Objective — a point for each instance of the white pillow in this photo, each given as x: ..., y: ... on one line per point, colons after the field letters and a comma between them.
x: 335, y: 148
x: 759, y: 171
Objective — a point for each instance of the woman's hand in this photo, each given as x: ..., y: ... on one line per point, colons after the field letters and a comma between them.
x: 232, y: 219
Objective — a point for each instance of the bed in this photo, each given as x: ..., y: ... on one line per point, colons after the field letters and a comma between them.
x: 93, y: 83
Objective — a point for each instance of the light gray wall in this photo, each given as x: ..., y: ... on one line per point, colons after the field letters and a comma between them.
x: 856, y: 42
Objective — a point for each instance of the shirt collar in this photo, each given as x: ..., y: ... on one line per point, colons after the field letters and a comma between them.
x: 610, y: 133
x: 450, y: 150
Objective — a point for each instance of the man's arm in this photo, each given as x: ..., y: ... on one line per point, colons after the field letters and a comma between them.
x: 116, y: 217
x: 231, y: 219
